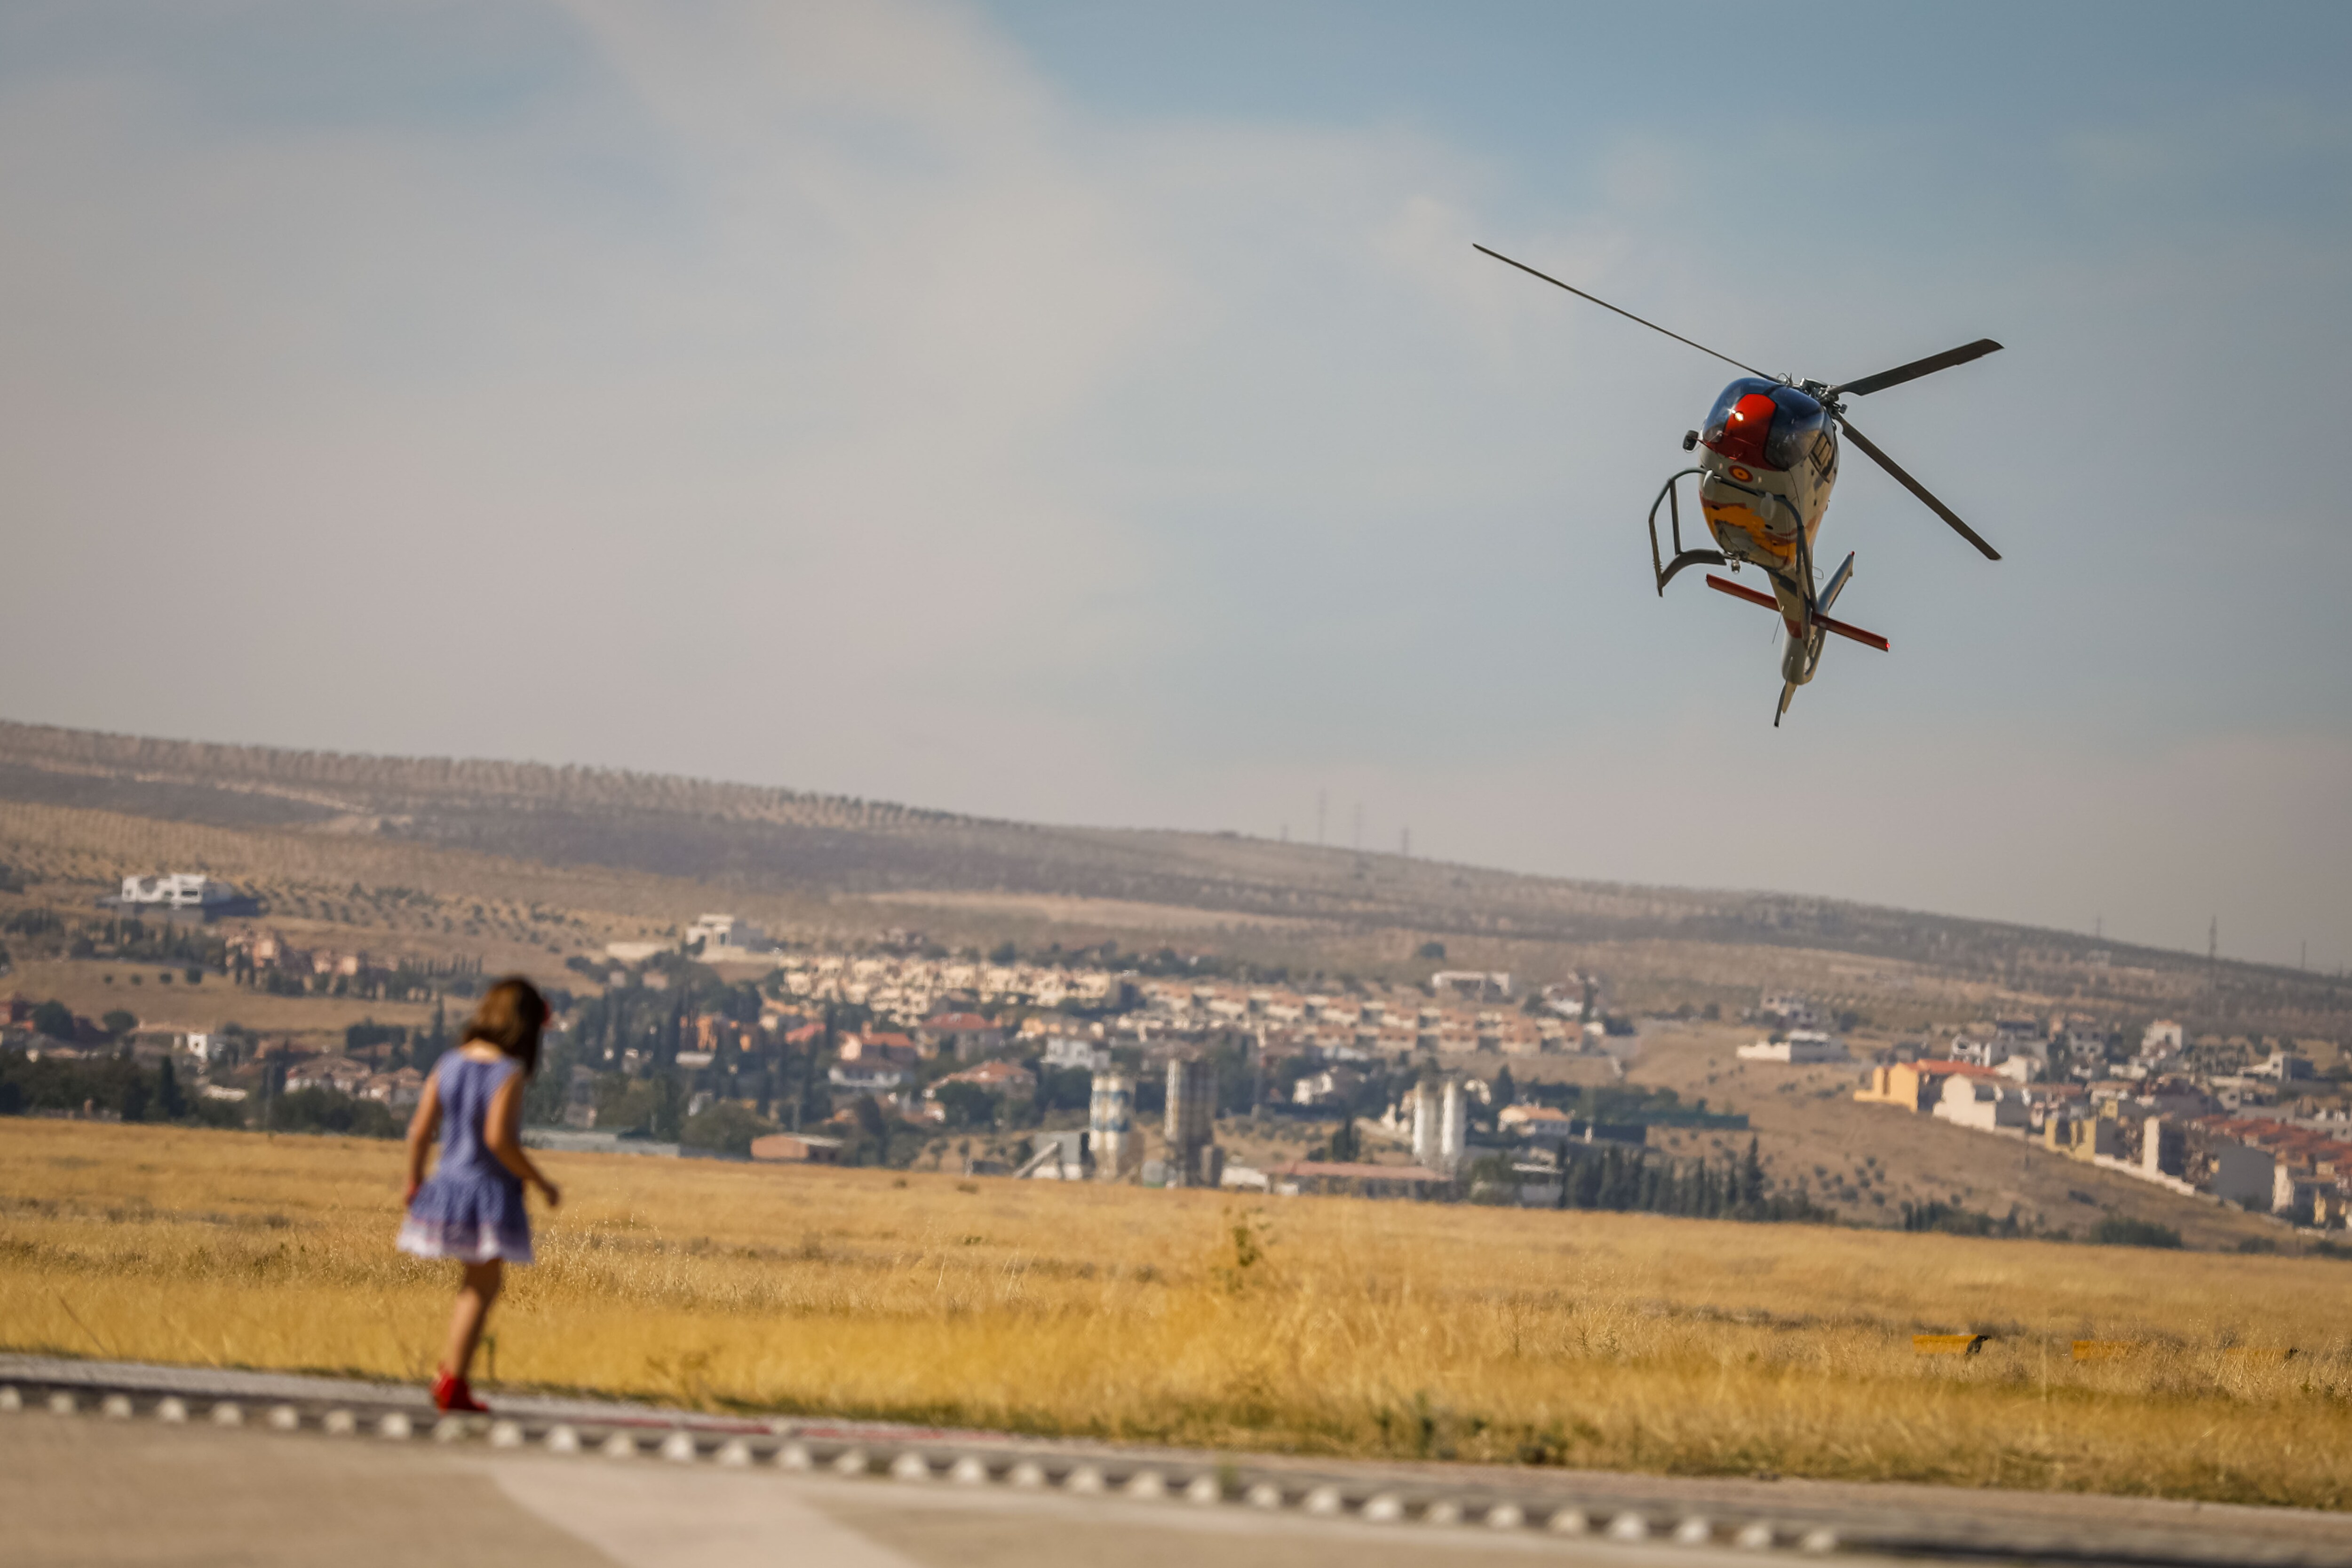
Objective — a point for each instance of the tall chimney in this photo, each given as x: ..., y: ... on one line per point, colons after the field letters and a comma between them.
x: 1452, y: 1128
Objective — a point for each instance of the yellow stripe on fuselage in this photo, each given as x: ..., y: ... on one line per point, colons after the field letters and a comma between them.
x: 1721, y: 517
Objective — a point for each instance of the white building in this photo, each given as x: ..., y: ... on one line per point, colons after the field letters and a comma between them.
x: 213, y: 1049
x: 1071, y: 1050
x: 2022, y: 1037
x: 723, y: 936
x: 176, y: 889
x: 1792, y: 1008
x: 1328, y: 1087
x: 1980, y: 1052
x: 1478, y: 983
x: 2283, y: 1066
x: 1564, y: 1000
x: 862, y: 1079
x: 1983, y: 1104
x: 1801, y: 1046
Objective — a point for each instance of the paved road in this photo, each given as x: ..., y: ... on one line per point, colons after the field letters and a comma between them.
x: 119, y: 1464
x: 93, y: 1492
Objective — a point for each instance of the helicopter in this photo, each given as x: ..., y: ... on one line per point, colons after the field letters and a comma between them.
x: 1771, y: 457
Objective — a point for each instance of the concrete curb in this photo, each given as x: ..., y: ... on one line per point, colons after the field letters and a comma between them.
x: 883, y: 1453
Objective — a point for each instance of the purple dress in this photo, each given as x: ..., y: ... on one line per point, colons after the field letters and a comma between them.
x: 471, y: 1206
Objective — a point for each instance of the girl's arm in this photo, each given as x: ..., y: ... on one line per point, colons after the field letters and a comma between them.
x: 503, y: 1134
x: 421, y: 1129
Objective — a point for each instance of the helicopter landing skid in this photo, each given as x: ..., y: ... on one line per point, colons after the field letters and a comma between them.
x: 1669, y: 498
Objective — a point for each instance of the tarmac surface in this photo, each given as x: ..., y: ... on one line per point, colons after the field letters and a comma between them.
x: 114, y: 1463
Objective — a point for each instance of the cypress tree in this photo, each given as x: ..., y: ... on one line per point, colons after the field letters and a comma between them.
x: 1587, y: 1183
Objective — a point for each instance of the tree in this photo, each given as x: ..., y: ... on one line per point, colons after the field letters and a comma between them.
x: 724, y: 1128
x: 55, y: 1020
x: 324, y: 1111
x: 168, y: 1098
x: 1347, y: 1144
x: 119, y: 1022
x: 668, y: 1121
x: 965, y: 1105
x: 429, y: 1049
x: 1433, y: 952
x: 134, y: 1098
x: 368, y: 1032
x: 872, y: 1145
x: 1064, y: 1088
x: 547, y: 1090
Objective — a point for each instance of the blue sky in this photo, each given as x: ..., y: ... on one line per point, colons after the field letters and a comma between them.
x: 1097, y: 414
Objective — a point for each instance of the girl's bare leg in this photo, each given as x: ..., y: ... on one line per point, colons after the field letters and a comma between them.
x: 474, y: 1299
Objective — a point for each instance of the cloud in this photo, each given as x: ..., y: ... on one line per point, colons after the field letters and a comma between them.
x: 821, y: 395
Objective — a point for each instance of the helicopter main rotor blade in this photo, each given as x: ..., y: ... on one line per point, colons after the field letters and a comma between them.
x: 1917, y: 368
x: 1629, y: 316
x: 1916, y: 488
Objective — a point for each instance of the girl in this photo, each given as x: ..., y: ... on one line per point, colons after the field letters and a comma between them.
x: 472, y: 1209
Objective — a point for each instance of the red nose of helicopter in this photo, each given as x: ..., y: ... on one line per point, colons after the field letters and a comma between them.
x: 1746, y: 426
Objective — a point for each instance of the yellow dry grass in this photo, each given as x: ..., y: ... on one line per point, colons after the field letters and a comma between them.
x: 1320, y: 1326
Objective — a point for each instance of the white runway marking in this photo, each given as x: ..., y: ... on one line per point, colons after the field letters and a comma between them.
x: 661, y: 1519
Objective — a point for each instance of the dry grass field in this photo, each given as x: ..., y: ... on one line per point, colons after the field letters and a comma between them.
x: 94, y: 987
x: 1317, y: 1325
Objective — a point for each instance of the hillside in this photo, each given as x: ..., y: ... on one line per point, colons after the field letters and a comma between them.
x: 792, y: 854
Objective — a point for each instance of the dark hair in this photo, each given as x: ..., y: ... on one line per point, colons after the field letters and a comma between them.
x: 511, y: 1017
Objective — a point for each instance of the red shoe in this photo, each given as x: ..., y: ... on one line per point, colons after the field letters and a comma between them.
x: 451, y: 1394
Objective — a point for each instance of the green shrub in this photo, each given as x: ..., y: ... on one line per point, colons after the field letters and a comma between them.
x: 2115, y: 1230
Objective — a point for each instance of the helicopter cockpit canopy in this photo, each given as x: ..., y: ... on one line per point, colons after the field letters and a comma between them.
x: 1764, y: 424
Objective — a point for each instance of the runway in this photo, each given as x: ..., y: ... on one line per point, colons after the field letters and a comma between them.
x: 112, y: 1463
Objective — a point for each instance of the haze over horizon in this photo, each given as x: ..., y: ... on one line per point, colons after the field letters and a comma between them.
x: 1056, y: 414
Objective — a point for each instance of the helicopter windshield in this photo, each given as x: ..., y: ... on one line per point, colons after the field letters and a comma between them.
x: 1764, y: 423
